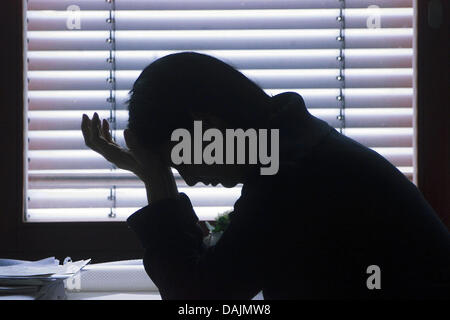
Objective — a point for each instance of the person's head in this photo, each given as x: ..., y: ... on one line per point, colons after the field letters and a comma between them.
x: 174, y: 91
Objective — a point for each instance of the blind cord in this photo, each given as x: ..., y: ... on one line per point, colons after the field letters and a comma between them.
x: 112, y: 92
x: 341, y: 58
x: 112, y: 198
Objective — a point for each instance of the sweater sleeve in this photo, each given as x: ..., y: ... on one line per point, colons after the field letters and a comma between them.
x: 182, y: 267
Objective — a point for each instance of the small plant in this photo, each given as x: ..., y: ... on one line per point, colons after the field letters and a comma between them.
x: 215, y: 232
x: 222, y: 222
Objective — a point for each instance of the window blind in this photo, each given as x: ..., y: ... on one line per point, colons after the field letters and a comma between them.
x: 350, y: 60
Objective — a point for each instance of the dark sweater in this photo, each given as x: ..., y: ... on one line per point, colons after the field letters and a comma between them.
x: 309, y: 232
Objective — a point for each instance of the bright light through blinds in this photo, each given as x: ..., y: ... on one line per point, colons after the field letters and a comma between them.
x: 350, y: 60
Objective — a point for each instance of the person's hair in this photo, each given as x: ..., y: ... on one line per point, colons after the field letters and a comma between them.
x: 177, y: 89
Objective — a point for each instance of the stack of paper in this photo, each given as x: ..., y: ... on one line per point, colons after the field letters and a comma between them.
x: 43, y: 279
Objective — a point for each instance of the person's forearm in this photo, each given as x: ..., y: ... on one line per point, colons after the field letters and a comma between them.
x: 160, y: 186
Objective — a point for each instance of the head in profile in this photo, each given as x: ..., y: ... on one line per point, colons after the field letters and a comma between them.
x: 183, y: 104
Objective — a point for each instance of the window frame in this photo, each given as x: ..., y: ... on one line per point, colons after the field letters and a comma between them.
x: 106, y: 241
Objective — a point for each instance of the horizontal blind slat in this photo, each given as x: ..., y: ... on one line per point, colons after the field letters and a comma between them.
x: 103, y: 214
x: 86, y: 159
x: 209, y: 5
x: 89, y: 178
x: 220, y: 19
x: 266, y: 78
x: 220, y: 39
x: 357, y: 117
x: 240, y: 59
x: 134, y: 197
x: 314, y: 98
x: 73, y: 140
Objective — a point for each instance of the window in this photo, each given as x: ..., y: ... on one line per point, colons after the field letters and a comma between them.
x: 112, y: 240
x: 350, y: 60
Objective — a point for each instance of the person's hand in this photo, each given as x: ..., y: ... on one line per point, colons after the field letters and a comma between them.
x: 147, y: 165
x: 97, y: 137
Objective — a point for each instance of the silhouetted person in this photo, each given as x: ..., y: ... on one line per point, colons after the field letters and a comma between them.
x: 316, y: 229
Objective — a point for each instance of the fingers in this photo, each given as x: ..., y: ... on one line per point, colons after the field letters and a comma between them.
x: 86, y: 130
x: 95, y: 128
x: 95, y: 136
x: 98, y: 138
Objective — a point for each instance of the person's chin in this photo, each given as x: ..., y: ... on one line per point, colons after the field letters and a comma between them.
x: 228, y: 184
x: 190, y: 183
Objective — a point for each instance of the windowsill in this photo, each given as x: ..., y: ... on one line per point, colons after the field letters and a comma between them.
x: 111, y: 295
x: 152, y: 295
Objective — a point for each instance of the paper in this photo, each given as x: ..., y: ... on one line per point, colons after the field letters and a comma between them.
x: 46, y: 261
x: 17, y: 289
x: 26, y: 271
x: 42, y: 279
x: 40, y: 268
